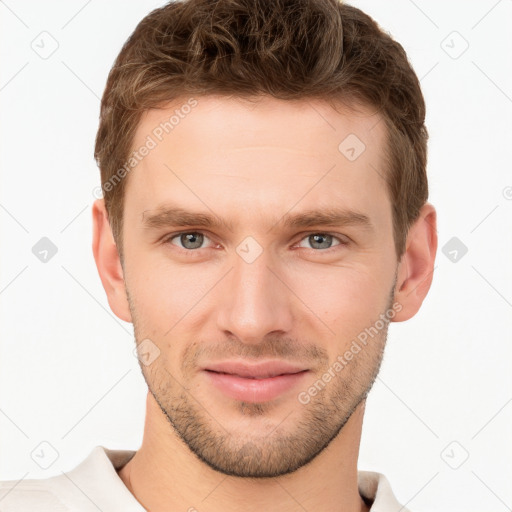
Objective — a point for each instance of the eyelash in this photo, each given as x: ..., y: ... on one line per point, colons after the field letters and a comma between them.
x: 342, y: 243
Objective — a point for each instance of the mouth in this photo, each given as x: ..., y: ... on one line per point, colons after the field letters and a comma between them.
x: 262, y: 370
x: 254, y: 376
x: 254, y: 383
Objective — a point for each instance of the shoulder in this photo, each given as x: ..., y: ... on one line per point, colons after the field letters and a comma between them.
x: 92, y: 485
x: 32, y: 495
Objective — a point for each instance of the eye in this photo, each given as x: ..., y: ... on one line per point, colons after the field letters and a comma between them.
x: 323, y: 241
x: 189, y: 240
x: 193, y: 240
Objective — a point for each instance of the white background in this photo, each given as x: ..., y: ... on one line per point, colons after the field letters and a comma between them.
x: 68, y: 375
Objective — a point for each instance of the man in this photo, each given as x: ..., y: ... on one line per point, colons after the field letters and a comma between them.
x: 264, y: 218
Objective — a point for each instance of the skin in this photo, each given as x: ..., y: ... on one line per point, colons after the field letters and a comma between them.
x: 250, y: 164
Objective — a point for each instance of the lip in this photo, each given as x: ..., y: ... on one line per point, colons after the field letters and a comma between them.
x: 254, y: 383
x: 254, y: 390
x: 261, y: 370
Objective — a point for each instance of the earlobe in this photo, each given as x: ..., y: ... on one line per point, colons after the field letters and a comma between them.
x: 416, y: 268
x: 108, y: 262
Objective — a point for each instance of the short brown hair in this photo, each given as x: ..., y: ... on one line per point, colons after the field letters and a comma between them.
x: 288, y: 49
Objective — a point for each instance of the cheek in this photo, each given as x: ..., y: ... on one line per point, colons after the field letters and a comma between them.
x: 345, y: 299
x: 166, y: 296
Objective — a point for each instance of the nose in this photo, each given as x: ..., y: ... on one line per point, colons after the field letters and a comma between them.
x: 255, y: 301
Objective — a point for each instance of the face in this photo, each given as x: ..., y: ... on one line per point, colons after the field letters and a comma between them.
x: 259, y: 234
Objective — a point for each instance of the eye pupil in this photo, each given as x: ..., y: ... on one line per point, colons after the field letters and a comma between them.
x: 196, y: 239
x: 318, y: 239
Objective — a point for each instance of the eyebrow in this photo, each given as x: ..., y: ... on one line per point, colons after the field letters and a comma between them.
x: 179, y: 217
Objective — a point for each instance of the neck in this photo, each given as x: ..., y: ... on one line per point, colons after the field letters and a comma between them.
x: 165, y: 475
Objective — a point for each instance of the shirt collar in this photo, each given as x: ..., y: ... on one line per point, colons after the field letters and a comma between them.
x: 102, y: 464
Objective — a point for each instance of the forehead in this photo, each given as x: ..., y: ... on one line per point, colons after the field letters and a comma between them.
x: 216, y: 151
x: 239, y: 122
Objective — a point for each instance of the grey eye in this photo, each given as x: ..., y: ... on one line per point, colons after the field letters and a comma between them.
x: 320, y: 240
x: 191, y: 240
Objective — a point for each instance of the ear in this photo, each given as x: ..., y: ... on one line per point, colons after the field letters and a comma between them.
x: 108, y: 263
x: 416, y: 267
